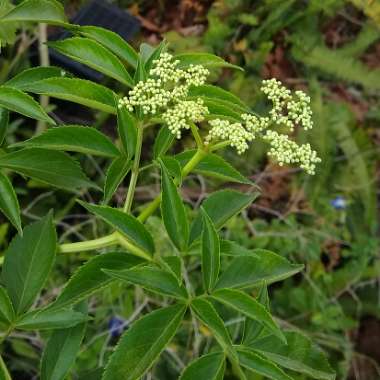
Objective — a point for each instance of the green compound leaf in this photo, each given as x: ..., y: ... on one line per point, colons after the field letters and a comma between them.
x: 249, y: 307
x: 214, y: 166
x: 75, y: 90
x: 127, y: 129
x: 35, y: 74
x: 210, y: 248
x: 115, y: 175
x: 28, y: 261
x: 151, y: 278
x: 299, y: 354
x: 210, y: 367
x: 220, y: 207
x: 89, y: 278
x: 8, y: 202
x: 248, y: 271
x: 257, y: 363
x: 7, y: 314
x: 205, y: 59
x: 143, y: 342
x: 61, y: 351
x: 50, y: 319
x: 4, y: 121
x: 111, y: 41
x: 17, y: 101
x: 207, y: 314
x: 173, y: 211
x: 48, y: 166
x: 48, y: 11
x: 74, y: 138
x: 126, y: 224
x: 94, y: 55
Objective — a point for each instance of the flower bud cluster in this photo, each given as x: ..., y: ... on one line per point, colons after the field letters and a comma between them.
x: 288, y: 109
x: 286, y: 151
x: 177, y: 118
x: 233, y: 132
x: 166, y: 91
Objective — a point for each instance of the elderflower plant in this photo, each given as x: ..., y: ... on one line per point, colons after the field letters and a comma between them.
x: 169, y: 92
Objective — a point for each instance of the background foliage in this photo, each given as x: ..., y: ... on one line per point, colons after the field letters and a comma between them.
x: 328, y: 222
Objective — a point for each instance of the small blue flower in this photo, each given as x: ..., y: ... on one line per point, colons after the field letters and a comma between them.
x: 116, y: 326
x: 339, y: 203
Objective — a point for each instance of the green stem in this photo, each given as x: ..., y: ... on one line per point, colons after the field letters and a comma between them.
x: 132, y: 248
x: 89, y: 245
x: 44, y: 61
x: 134, y: 171
x: 220, y: 145
x: 152, y: 206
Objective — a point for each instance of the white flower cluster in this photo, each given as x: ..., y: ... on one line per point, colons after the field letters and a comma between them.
x: 166, y: 93
x: 178, y: 116
x: 286, y: 151
x: 233, y: 132
x: 288, y: 109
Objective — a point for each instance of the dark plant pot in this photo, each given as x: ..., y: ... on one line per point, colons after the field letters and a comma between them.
x: 98, y: 13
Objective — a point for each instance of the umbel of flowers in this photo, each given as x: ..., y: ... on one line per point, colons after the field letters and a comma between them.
x: 165, y: 94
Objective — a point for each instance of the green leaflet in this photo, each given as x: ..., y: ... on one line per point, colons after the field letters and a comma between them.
x: 17, y: 101
x: 127, y: 129
x: 48, y: 11
x: 75, y: 90
x: 173, y: 265
x: 89, y: 277
x: 259, y: 364
x: 7, y: 314
x: 249, y: 307
x: 205, y: 59
x: 173, y: 211
x: 210, y: 248
x: 252, y: 328
x: 115, y: 175
x: 207, y: 314
x: 299, y: 354
x: 61, y: 351
x: 50, y: 319
x: 221, y: 206
x: 49, y: 166
x: 162, y: 142
x: 153, y: 279
x: 126, y: 224
x: 74, y: 138
x: 143, y: 342
x: 94, y: 55
x: 214, y: 166
x: 111, y: 41
x: 35, y: 74
x: 210, y: 367
x: 8, y: 202
x: 247, y: 271
x: 4, y: 121
x: 28, y: 261
x: 219, y: 94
